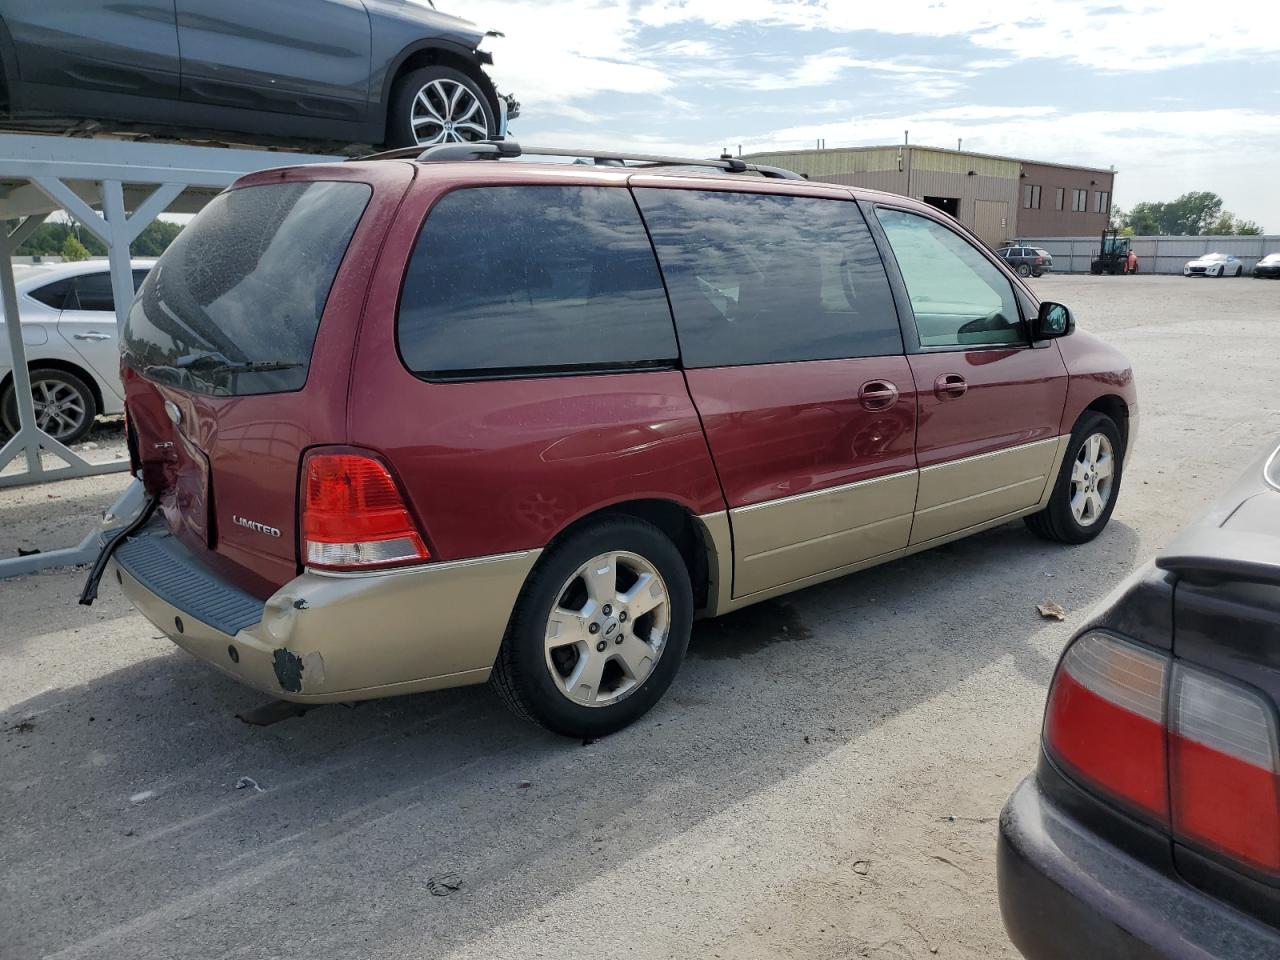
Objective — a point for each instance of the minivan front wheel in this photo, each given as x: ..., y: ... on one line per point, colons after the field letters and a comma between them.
x: 599, y: 631
x: 1087, y: 485
x: 435, y: 105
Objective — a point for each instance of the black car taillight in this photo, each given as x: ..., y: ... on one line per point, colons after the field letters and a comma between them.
x: 1195, y: 753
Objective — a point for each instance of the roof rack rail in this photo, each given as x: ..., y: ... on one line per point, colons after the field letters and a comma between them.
x: 509, y: 149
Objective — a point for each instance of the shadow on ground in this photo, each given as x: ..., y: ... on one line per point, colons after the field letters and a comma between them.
x: 129, y: 790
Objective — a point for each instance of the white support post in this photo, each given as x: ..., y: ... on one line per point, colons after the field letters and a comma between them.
x: 118, y: 238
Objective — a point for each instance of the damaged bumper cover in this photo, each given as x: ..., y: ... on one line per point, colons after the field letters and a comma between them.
x: 328, y: 637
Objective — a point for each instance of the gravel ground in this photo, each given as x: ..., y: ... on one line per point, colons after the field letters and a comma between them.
x: 822, y: 780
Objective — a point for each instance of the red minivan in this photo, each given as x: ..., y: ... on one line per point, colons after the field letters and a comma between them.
x: 416, y: 422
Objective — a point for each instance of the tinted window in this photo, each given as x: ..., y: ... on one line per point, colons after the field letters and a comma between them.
x: 534, y: 279
x: 245, y: 283
x: 958, y: 296
x: 761, y: 278
x: 52, y: 294
x: 92, y: 292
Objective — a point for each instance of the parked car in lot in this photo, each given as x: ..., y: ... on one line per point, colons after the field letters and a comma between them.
x: 1027, y: 261
x: 1268, y: 266
x: 1213, y: 265
x: 618, y: 423
x: 73, y: 352
x: 1151, y: 827
x: 323, y: 71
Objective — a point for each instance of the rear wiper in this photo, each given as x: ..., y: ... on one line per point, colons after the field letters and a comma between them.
x: 213, y: 360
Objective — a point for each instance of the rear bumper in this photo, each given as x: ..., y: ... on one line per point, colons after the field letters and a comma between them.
x: 1065, y: 893
x: 324, y: 637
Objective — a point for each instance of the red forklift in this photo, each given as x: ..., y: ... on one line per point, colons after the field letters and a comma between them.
x: 1113, y: 254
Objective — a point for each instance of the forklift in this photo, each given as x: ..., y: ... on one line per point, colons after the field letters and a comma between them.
x: 1112, y: 253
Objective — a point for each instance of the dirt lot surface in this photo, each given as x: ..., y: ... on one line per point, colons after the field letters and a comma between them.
x: 822, y: 780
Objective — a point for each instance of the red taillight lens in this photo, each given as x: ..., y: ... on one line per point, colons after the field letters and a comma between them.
x: 353, y: 516
x: 1224, y: 768
x: 1220, y: 785
x: 1039, y: 260
x: 1105, y: 719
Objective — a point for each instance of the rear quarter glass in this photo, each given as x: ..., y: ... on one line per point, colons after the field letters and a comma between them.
x: 245, y: 284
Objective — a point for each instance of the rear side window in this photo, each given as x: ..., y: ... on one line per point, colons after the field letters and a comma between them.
x: 234, y: 304
x: 52, y: 294
x: 533, y: 280
x: 92, y: 291
x: 763, y: 278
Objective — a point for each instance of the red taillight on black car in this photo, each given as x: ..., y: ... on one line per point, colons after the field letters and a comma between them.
x: 1194, y: 752
x: 353, y: 516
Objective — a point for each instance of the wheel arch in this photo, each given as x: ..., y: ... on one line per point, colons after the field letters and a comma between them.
x: 66, y: 366
x: 429, y: 53
x: 692, y: 535
x: 1115, y: 407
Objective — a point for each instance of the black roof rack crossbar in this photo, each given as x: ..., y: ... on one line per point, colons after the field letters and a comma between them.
x: 498, y: 149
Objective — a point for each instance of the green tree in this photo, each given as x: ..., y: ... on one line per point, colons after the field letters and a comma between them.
x: 1194, y: 214
x: 155, y: 239
x: 73, y: 249
x: 1248, y: 228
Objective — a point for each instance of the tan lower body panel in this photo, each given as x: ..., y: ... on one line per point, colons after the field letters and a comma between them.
x: 957, y: 495
x: 786, y: 540
x: 1042, y: 459
x: 359, y: 637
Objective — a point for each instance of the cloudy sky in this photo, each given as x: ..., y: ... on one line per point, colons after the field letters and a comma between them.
x: 1177, y: 95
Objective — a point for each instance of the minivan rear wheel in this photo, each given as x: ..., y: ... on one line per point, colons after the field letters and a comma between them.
x: 1088, y: 483
x: 599, y: 631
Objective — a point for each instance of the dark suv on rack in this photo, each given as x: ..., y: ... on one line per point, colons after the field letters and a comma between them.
x: 411, y: 423
x: 326, y: 72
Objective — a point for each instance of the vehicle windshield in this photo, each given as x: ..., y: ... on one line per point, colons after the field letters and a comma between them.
x: 1214, y: 256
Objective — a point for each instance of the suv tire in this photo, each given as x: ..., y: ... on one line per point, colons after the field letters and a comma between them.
x: 1024, y: 270
x: 440, y: 86
x: 1089, y: 477
x: 601, y: 678
x: 76, y: 407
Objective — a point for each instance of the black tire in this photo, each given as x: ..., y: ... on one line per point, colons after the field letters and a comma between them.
x: 1239, y: 271
x: 400, y: 115
x: 522, y: 674
x: 1057, y: 522
x: 1024, y: 270
x: 68, y: 381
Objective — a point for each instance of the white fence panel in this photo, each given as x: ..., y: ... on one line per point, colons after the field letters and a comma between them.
x: 1156, y: 254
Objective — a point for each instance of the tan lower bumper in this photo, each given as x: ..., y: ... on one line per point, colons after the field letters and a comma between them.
x: 326, y: 638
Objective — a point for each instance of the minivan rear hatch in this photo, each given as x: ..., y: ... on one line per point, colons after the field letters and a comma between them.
x: 236, y: 356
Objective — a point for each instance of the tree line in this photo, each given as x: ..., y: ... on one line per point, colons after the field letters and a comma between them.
x: 1195, y: 214
x: 66, y: 241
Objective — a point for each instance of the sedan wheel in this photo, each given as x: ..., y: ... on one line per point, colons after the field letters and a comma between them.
x: 64, y: 405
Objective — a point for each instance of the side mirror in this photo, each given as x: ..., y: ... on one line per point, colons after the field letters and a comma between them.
x: 1054, y: 320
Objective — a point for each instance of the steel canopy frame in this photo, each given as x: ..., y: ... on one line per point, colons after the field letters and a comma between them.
x: 42, y: 174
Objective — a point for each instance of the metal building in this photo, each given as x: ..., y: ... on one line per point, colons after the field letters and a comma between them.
x: 999, y: 198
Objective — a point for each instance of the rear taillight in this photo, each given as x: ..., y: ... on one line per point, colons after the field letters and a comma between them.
x: 1195, y: 752
x: 1039, y: 260
x: 353, y: 516
x: 1105, y: 719
x: 1224, y: 770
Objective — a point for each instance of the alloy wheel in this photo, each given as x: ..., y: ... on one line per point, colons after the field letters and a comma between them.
x: 607, y: 629
x: 445, y: 111
x: 59, y: 409
x: 1092, y: 478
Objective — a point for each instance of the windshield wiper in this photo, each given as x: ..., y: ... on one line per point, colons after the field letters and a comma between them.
x: 213, y: 360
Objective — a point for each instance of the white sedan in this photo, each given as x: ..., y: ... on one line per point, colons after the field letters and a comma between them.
x: 1213, y: 265
x: 69, y: 331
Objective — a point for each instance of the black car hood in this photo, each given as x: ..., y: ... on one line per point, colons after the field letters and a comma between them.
x: 1239, y: 537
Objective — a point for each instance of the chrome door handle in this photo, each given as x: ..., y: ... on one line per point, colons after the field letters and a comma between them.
x: 875, y: 395
x: 91, y: 336
x: 950, y: 386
